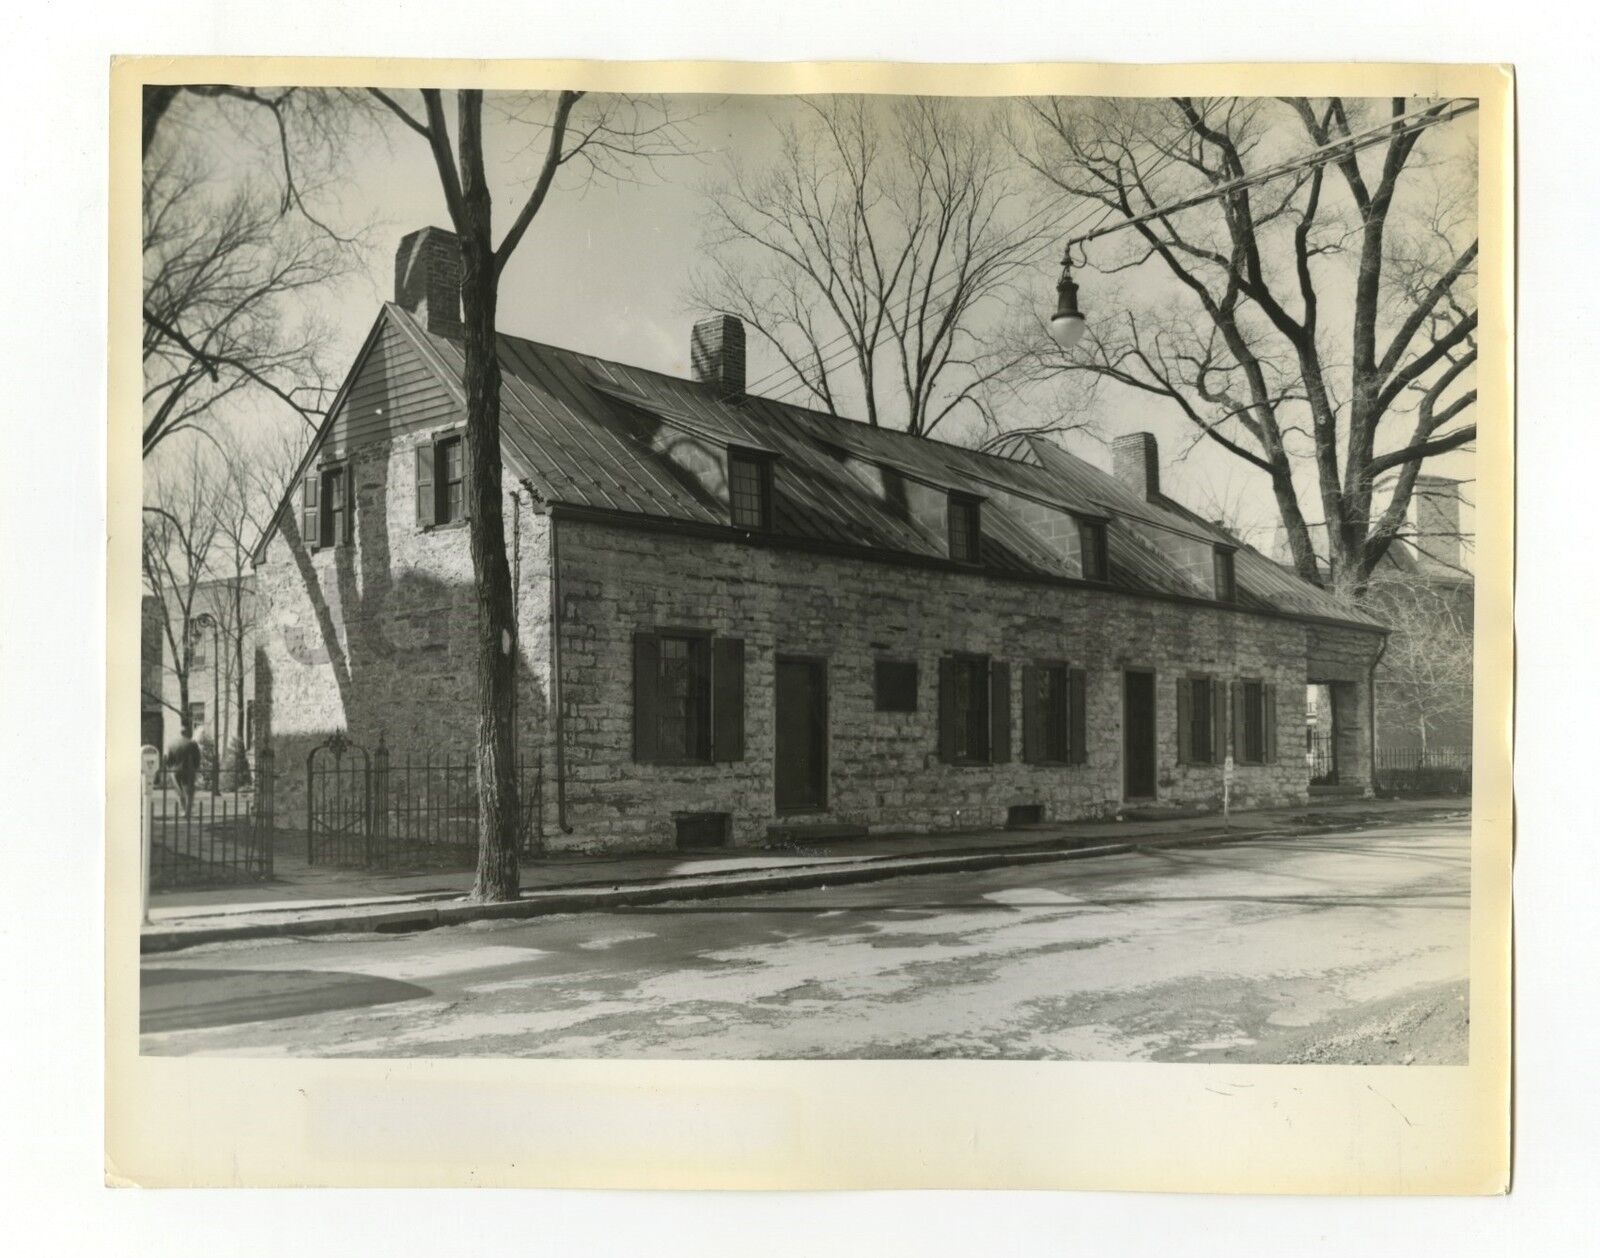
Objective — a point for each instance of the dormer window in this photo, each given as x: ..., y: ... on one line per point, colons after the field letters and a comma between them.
x: 965, y: 528
x: 750, y: 489
x: 1227, y: 590
x: 1092, y: 543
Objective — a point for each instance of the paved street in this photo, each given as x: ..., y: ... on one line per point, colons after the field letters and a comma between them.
x: 1346, y: 947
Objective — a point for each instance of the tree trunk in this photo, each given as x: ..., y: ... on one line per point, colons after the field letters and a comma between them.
x: 499, y: 812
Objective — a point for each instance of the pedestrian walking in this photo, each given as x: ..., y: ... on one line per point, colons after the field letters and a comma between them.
x: 183, y: 763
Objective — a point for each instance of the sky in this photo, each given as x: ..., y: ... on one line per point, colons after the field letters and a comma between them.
x: 605, y: 269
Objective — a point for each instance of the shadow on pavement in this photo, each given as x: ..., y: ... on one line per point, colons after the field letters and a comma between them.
x: 184, y: 999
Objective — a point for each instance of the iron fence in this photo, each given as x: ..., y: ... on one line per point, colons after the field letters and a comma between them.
x: 1321, y: 757
x: 1435, y: 771
x: 212, y: 840
x: 377, y: 810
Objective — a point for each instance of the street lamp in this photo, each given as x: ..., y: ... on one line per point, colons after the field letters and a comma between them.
x: 203, y: 621
x: 1067, y: 324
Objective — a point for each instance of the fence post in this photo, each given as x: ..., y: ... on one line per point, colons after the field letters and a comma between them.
x: 149, y: 762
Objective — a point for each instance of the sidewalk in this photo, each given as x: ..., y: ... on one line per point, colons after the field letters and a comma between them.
x: 306, y: 900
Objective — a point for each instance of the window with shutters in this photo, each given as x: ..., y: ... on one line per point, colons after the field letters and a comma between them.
x: 1200, y: 733
x: 1092, y: 542
x: 1046, y: 714
x: 894, y: 685
x: 974, y: 710
x: 444, y: 480
x: 683, y: 699
x: 337, y: 508
x: 750, y: 490
x: 688, y: 697
x: 1251, y: 724
x: 965, y: 528
x: 450, y: 461
x: 1226, y: 587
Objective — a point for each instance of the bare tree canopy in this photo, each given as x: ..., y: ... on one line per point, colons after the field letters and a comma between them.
x: 1324, y: 320
x: 232, y: 243
x: 871, y: 254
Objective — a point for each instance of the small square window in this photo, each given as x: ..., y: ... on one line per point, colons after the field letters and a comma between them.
x: 749, y: 490
x: 965, y: 529
x: 1222, y: 572
x: 1092, y: 539
x: 895, y: 685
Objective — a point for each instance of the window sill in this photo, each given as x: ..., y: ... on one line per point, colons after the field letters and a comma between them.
x: 686, y: 764
x: 446, y: 527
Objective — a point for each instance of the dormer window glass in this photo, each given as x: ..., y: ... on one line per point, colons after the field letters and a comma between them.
x: 965, y: 528
x: 1092, y: 540
x: 1227, y: 590
x: 749, y: 490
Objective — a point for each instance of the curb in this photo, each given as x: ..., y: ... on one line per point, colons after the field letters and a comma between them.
x: 427, y: 916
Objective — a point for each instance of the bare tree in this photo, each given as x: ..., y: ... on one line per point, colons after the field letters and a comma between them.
x: 593, y: 137
x: 1326, y: 319
x: 872, y: 251
x: 180, y: 531
x: 1425, y: 677
x: 226, y: 252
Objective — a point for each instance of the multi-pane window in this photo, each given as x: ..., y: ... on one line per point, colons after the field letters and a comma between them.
x: 964, y: 528
x: 443, y: 479
x: 750, y: 490
x: 894, y: 685
x: 452, y: 480
x: 1199, y: 737
x: 334, y: 507
x: 1092, y: 539
x: 197, y: 647
x: 970, y: 721
x: 327, y: 506
x: 197, y: 715
x: 1251, y: 722
x: 683, y: 700
x: 1050, y: 681
x: 688, y: 698
x: 1222, y: 574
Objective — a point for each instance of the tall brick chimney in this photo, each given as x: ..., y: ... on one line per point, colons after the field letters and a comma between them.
x: 427, y: 279
x: 1136, y: 461
x: 1436, y: 518
x: 716, y: 355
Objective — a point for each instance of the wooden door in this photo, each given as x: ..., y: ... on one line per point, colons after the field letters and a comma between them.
x: 1139, y: 734
x: 801, y: 771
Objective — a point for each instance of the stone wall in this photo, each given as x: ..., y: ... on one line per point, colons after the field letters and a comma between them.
x: 884, y: 771
x: 377, y: 637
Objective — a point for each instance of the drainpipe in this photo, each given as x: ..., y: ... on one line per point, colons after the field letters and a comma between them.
x: 1372, y: 714
x: 559, y: 729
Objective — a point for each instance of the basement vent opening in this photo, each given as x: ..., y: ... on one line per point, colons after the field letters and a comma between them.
x: 1024, y: 815
x: 703, y: 829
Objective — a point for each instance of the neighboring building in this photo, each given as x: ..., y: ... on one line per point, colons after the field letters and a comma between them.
x: 738, y: 617
x: 218, y: 693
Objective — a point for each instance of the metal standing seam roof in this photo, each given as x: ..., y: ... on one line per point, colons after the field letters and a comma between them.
x: 588, y: 432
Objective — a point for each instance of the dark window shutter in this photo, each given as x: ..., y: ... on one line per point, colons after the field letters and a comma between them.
x: 999, y: 712
x: 1185, y: 721
x: 1236, y: 707
x: 426, y: 504
x: 948, y: 715
x: 1219, y: 721
x: 349, y: 503
x: 646, y: 673
x: 1032, y: 715
x: 727, y: 699
x: 310, y: 512
x: 1078, y: 715
x: 466, y: 479
x: 1269, y: 723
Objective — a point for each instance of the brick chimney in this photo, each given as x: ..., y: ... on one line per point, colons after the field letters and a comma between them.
x: 1136, y: 461
x: 1436, y: 518
x: 716, y: 355
x: 427, y: 279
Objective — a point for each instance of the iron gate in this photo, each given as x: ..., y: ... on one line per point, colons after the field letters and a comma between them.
x: 379, y: 811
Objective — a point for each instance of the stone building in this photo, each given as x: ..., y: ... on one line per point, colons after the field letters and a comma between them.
x: 740, y: 619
